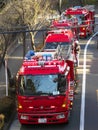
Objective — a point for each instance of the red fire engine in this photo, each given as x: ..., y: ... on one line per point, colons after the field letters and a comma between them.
x: 44, y: 89
x: 66, y: 24
x: 55, y: 37
x: 61, y: 37
x: 85, y: 16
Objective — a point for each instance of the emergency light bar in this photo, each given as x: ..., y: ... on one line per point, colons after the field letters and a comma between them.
x: 60, y: 31
x: 76, y: 10
x: 77, y: 7
x: 37, y: 64
x: 40, y: 56
x: 45, y: 58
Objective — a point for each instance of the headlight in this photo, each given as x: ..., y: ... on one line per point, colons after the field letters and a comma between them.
x: 83, y: 28
x: 64, y: 105
x: 24, y: 117
x: 19, y: 106
x: 61, y: 116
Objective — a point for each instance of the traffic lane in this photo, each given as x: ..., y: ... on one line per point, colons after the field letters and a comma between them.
x: 74, y: 118
x: 15, y: 124
x: 15, y: 63
x: 91, y: 107
x: 91, y: 101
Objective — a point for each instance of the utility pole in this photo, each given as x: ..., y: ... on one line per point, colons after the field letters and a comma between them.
x: 6, y: 77
x: 60, y: 5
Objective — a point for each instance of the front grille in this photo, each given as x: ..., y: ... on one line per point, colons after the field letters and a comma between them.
x: 44, y: 108
x: 45, y: 116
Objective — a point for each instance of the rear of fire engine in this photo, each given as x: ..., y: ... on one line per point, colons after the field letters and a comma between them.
x: 85, y: 19
x: 66, y: 23
x: 61, y: 37
x: 58, y: 37
x: 43, y: 90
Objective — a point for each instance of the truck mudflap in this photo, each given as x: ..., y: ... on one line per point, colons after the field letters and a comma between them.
x: 54, y: 118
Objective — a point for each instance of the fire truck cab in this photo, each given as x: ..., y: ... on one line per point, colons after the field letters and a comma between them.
x: 85, y: 18
x: 44, y: 89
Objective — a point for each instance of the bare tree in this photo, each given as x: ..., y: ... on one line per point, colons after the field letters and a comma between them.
x: 23, y: 15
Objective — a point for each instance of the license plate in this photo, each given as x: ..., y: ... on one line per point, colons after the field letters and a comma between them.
x: 42, y: 120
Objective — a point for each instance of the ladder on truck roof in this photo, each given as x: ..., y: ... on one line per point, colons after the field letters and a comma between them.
x: 62, y: 52
x: 90, y: 7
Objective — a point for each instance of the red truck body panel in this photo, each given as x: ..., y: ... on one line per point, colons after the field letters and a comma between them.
x: 57, y: 38
x: 68, y: 24
x: 61, y: 35
x: 43, y: 108
x: 62, y: 23
x: 87, y: 19
x: 72, y: 11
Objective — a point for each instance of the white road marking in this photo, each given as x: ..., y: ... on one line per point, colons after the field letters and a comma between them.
x: 97, y: 95
x: 82, y: 112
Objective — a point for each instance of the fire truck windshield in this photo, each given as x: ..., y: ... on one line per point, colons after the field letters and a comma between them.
x: 31, y: 85
x: 54, y: 45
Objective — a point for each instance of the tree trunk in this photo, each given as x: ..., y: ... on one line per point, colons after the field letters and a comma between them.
x: 32, y: 41
x: 24, y: 45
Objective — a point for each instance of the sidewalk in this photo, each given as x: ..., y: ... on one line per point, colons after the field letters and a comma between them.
x: 2, y: 82
x: 10, y: 50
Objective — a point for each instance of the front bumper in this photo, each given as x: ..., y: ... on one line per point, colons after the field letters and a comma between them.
x: 51, y: 118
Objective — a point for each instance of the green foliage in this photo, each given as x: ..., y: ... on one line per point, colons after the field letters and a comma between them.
x: 7, y: 105
x: 90, y: 1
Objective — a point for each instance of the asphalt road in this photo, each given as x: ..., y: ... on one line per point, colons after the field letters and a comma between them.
x: 91, y: 92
